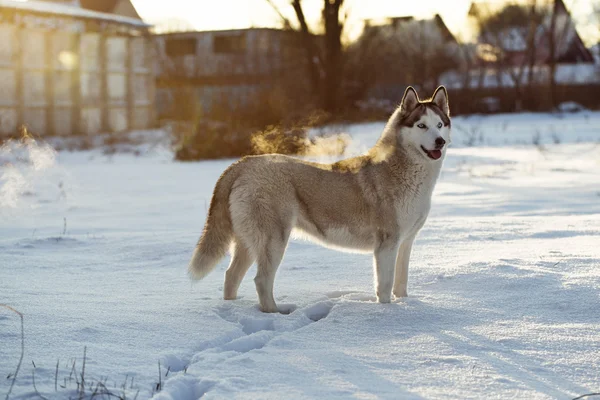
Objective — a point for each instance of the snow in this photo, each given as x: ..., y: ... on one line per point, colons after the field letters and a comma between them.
x: 504, y: 281
x: 573, y: 74
x: 68, y: 10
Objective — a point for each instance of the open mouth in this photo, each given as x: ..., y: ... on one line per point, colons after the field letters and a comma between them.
x: 433, y: 154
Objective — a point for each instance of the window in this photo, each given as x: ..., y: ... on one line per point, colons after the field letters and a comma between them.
x: 229, y: 43
x: 180, y: 46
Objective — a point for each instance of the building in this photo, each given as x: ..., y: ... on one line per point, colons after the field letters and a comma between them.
x: 224, y: 68
x: 511, y: 41
x: 435, y: 25
x: 66, y: 70
x: 124, y: 8
x: 523, y: 58
x: 395, y: 52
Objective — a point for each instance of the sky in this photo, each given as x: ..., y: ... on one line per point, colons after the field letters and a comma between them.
x: 229, y: 14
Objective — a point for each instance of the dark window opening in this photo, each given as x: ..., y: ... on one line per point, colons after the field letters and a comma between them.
x: 229, y: 43
x: 180, y: 46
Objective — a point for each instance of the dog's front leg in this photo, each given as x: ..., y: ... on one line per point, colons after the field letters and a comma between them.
x: 384, y: 263
x: 401, y: 277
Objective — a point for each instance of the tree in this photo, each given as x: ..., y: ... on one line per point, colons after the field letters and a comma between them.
x: 526, y: 35
x: 324, y: 58
x: 511, y: 32
x: 405, y: 51
x: 557, y: 34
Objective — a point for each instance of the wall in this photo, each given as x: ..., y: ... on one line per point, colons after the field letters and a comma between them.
x: 221, y: 75
x: 61, y: 75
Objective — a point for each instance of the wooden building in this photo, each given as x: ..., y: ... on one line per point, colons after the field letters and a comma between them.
x: 123, y: 8
x: 225, y: 68
x: 511, y: 42
x: 68, y: 70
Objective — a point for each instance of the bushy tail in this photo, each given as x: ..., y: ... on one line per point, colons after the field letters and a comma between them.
x: 217, y: 234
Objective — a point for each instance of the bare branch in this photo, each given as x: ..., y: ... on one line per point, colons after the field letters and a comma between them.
x: 314, y: 60
x: 284, y: 19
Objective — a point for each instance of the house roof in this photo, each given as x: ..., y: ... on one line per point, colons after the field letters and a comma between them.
x: 399, y: 21
x: 221, y: 31
x: 513, y: 38
x: 105, y: 6
x: 444, y: 28
x: 69, y: 10
x: 487, y: 7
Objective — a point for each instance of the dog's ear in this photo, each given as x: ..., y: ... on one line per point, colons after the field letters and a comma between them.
x: 410, y: 100
x: 440, y: 99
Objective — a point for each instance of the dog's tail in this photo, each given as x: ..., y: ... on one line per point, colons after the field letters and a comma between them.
x: 218, y: 230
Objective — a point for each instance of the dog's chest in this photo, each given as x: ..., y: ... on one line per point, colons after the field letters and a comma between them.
x: 412, y: 208
x: 411, y: 215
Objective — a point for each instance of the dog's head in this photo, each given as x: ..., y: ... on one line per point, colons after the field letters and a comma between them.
x: 423, y: 125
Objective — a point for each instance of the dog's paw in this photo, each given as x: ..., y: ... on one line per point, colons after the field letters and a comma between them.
x: 384, y: 299
x: 269, y: 309
x: 401, y: 292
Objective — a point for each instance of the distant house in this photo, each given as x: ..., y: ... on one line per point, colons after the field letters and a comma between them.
x: 69, y: 70
x: 513, y: 52
x: 395, y: 52
x: 435, y: 25
x: 512, y: 41
x: 223, y: 68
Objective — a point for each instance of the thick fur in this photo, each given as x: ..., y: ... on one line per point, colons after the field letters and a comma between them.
x: 375, y: 203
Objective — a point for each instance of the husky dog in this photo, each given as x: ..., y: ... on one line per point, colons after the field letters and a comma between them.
x: 375, y: 203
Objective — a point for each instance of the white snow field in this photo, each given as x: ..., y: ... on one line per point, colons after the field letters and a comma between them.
x: 504, y: 281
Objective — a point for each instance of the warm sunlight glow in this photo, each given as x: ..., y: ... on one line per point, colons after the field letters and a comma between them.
x: 210, y: 15
x: 68, y: 59
x: 232, y: 14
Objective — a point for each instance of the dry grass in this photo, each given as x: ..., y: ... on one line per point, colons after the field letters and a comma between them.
x: 74, y: 382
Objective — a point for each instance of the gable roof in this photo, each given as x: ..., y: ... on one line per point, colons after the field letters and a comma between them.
x: 514, y: 38
x: 47, y: 7
x: 105, y: 6
x: 397, y: 22
x: 444, y: 28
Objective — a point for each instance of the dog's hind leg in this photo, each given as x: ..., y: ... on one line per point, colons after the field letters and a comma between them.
x: 240, y: 263
x: 268, y: 261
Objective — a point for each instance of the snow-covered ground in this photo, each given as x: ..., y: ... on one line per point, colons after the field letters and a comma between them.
x: 504, y: 280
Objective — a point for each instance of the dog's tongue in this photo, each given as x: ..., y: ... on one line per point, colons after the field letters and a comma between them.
x: 435, y: 154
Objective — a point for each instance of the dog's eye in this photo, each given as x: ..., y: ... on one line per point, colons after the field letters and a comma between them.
x: 422, y: 126
x: 439, y: 125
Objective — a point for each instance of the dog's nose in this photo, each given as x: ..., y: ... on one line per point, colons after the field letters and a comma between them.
x: 440, y: 142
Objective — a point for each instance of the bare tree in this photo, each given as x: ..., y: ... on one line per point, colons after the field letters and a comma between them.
x: 512, y: 31
x: 559, y: 34
x: 466, y: 57
x: 407, y: 52
x: 324, y: 60
x: 531, y: 40
x: 333, y: 53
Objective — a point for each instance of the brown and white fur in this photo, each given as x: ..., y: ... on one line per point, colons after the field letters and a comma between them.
x: 375, y: 203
